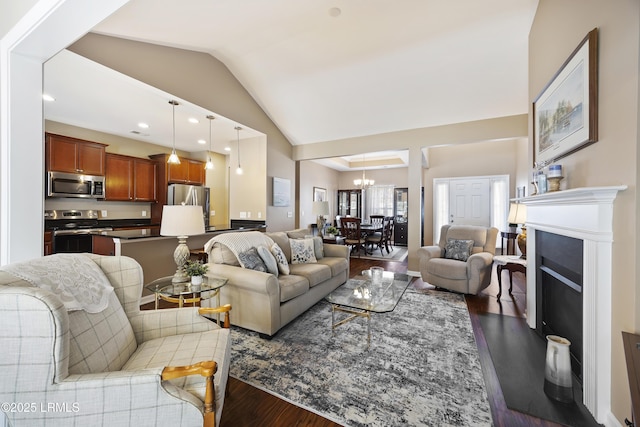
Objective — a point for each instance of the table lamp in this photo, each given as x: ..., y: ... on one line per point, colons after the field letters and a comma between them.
x: 181, y: 221
x: 320, y: 208
x: 518, y: 215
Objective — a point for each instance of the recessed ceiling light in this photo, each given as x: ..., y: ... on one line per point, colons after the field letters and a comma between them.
x: 335, y: 12
x: 48, y: 97
x: 193, y: 120
x: 202, y: 141
x: 143, y: 125
x: 227, y: 148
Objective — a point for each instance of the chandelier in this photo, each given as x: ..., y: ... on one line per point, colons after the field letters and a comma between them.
x: 364, y: 182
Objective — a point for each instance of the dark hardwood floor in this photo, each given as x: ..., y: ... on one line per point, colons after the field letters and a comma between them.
x: 248, y: 406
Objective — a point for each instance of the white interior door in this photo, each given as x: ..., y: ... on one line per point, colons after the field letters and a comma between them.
x: 470, y: 201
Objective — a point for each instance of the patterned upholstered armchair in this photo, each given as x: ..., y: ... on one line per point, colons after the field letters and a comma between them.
x: 62, y: 367
x: 463, y: 259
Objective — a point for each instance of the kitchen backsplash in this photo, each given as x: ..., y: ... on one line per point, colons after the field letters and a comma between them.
x: 106, y: 210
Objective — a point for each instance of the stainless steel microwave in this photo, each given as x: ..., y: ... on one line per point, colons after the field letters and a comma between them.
x: 60, y: 184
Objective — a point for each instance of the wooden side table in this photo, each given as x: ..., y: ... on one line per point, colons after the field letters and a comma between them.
x: 511, y: 242
x: 512, y: 263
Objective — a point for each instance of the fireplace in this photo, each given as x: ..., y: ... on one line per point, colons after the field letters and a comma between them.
x: 584, y: 215
x: 558, y: 261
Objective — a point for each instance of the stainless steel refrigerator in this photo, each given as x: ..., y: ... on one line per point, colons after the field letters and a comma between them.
x: 190, y: 195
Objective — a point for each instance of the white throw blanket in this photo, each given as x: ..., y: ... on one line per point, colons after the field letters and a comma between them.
x: 74, y: 278
x: 239, y: 242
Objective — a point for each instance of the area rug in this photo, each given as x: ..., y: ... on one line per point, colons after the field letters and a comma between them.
x: 518, y: 354
x: 422, y: 368
x: 398, y: 253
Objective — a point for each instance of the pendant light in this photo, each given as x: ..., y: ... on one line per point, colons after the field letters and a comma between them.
x: 173, y: 158
x: 364, y: 182
x: 209, y: 164
x: 239, y: 169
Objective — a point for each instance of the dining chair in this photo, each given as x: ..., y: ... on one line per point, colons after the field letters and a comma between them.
x: 352, y: 234
x: 389, y: 233
x: 378, y: 238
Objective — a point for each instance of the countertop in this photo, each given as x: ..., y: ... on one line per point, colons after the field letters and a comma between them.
x: 144, y: 233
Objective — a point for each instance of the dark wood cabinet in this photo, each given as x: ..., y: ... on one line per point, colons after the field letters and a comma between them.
x: 350, y: 203
x: 66, y: 154
x: 400, y: 233
x: 130, y: 179
x: 187, y: 172
x: 48, y: 243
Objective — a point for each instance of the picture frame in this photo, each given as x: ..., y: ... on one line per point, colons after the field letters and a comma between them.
x: 281, y: 191
x: 319, y: 194
x: 565, y: 113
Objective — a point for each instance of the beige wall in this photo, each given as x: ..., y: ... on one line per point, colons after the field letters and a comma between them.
x: 315, y: 175
x: 558, y: 28
x: 248, y: 195
x: 202, y: 80
x: 393, y: 176
x: 478, y: 159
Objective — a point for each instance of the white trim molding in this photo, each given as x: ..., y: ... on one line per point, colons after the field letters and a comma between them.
x: 586, y: 214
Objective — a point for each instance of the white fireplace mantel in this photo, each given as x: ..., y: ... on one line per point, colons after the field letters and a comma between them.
x: 586, y: 214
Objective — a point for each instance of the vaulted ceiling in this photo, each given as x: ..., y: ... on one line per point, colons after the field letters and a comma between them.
x: 334, y: 69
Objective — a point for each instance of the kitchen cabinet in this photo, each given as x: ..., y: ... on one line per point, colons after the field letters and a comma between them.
x: 72, y: 155
x: 48, y: 243
x: 130, y: 179
x: 187, y: 172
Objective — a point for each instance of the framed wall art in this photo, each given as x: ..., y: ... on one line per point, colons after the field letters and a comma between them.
x: 319, y: 194
x: 281, y: 191
x: 565, y: 113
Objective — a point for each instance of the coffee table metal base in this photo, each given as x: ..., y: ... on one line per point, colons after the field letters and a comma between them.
x: 354, y: 314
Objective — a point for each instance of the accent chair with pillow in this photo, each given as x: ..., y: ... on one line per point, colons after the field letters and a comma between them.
x: 73, y: 336
x: 463, y: 259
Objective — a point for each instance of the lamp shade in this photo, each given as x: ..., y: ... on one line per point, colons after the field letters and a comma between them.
x: 517, y: 213
x: 320, y: 208
x: 181, y: 220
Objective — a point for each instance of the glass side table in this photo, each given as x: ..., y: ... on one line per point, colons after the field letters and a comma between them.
x: 181, y: 293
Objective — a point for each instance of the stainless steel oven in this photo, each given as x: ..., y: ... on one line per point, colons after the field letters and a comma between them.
x: 72, y: 229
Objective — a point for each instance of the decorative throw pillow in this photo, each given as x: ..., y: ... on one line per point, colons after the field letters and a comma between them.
x: 458, y: 249
x: 281, y: 259
x: 318, y: 247
x: 269, y: 260
x: 252, y: 260
x: 302, y: 251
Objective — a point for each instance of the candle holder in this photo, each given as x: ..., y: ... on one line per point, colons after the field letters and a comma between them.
x: 554, y: 183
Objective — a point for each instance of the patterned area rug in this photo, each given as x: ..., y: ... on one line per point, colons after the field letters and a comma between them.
x: 398, y: 253
x: 422, y: 368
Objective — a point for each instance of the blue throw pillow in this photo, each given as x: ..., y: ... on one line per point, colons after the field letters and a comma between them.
x: 251, y: 260
x: 458, y: 249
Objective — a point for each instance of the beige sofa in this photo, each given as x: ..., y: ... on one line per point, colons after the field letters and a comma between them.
x: 263, y: 301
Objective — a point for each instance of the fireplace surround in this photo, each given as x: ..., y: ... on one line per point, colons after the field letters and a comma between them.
x: 585, y: 214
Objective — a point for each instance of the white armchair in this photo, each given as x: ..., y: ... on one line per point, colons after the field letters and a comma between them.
x: 467, y: 275
x: 62, y: 368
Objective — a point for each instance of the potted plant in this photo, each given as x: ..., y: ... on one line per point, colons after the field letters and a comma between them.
x: 332, y: 231
x: 195, y: 270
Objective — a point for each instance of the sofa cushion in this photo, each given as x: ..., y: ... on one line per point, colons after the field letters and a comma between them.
x: 314, y: 273
x: 337, y: 265
x: 299, y: 233
x: 281, y: 258
x: 281, y: 238
x: 252, y: 260
x: 449, y: 268
x: 302, y: 251
x: 292, y: 286
x: 458, y: 249
x: 268, y: 259
x: 221, y: 254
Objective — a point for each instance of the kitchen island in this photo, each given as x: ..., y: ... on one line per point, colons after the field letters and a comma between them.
x: 153, y: 252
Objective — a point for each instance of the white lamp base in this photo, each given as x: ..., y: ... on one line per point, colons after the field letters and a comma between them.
x: 180, y: 256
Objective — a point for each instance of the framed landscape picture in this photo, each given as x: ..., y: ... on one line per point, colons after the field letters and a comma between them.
x: 319, y: 194
x: 565, y: 114
x: 281, y: 191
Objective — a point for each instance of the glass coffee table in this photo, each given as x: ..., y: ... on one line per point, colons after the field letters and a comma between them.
x: 359, y: 297
x: 181, y: 293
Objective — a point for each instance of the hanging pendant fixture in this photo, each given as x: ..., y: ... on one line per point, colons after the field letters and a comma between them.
x: 173, y: 158
x: 209, y: 164
x: 364, y: 182
x: 239, y: 169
